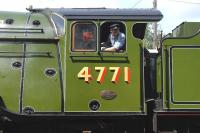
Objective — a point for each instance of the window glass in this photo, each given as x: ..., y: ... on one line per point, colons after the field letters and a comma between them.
x: 113, y: 37
x: 84, y: 37
x: 60, y: 24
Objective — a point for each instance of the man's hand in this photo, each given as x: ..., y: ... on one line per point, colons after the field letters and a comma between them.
x: 111, y: 49
x: 103, y: 48
x: 103, y: 43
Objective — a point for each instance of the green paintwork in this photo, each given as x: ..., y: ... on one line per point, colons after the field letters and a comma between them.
x: 10, y: 76
x: 40, y: 92
x: 185, y: 73
x: 182, y: 64
x: 79, y: 94
x: 44, y: 24
x: 158, y: 74
x: 43, y: 93
x: 186, y: 29
x: 19, y: 22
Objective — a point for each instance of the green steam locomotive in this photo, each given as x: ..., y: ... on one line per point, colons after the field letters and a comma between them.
x: 56, y: 75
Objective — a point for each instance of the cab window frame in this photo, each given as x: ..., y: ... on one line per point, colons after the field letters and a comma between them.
x: 73, y: 34
x: 125, y: 32
x: 56, y: 24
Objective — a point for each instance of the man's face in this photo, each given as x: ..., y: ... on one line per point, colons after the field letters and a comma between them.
x: 114, y: 32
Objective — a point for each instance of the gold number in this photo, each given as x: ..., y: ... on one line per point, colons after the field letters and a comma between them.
x: 102, y: 72
x: 116, y: 74
x: 127, y: 74
x: 85, y: 74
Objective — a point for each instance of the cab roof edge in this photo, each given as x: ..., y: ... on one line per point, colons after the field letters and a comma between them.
x: 34, y: 10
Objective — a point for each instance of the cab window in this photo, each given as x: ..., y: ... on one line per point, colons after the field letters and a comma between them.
x: 113, y: 37
x: 138, y: 30
x: 84, y: 36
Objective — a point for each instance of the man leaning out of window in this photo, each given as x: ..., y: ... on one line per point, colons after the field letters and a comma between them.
x: 116, y: 40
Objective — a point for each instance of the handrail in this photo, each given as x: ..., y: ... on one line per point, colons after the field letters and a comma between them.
x: 106, y: 56
x: 21, y: 30
x: 29, y: 39
x: 25, y: 54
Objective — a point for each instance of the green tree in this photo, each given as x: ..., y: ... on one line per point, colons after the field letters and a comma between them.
x: 148, y: 39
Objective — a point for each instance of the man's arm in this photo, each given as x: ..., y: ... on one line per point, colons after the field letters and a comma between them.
x: 107, y: 43
x: 111, y: 49
x: 118, y: 44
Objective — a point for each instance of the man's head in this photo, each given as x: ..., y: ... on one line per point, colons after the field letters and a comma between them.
x: 114, y: 29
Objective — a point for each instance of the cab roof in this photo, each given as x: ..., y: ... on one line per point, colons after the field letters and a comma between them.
x: 110, y: 13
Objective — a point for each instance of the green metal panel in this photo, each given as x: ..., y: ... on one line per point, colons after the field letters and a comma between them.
x: 39, y: 91
x: 158, y: 74
x: 45, y: 25
x: 10, y: 76
x: 78, y: 94
x: 42, y: 92
x: 19, y: 21
x: 186, y: 29
x: 180, y: 73
x: 18, y: 17
x: 185, y: 63
x: 23, y: 24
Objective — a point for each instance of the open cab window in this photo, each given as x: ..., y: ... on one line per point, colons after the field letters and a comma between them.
x: 113, y: 37
x: 84, y: 37
x: 138, y: 30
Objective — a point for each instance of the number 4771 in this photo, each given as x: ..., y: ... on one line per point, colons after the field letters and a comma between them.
x: 85, y: 74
